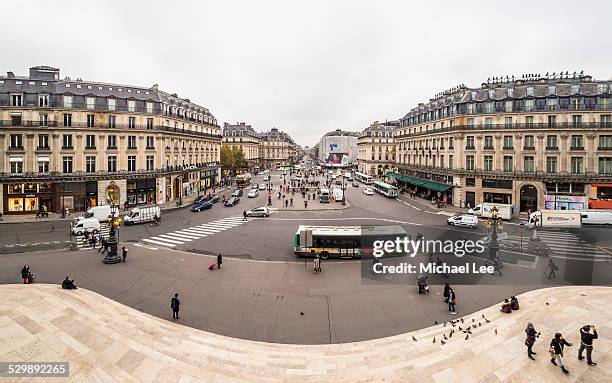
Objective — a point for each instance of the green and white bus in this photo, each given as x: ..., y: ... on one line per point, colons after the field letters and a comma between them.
x: 342, y: 241
x: 364, y: 178
x: 387, y: 190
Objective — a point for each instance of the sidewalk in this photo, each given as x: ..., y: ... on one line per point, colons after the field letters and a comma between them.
x: 427, y: 203
x: 57, y: 217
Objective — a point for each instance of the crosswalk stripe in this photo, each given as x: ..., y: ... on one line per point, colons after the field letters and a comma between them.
x: 219, y: 226
x: 168, y: 240
x: 158, y: 243
x: 195, y: 231
x: 205, y: 231
x: 186, y: 235
x: 174, y: 238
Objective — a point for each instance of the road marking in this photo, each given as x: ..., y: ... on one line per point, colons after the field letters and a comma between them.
x: 158, y: 243
x: 172, y: 238
x: 180, y: 234
x: 167, y: 240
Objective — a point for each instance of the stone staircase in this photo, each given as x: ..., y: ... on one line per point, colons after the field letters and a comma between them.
x: 105, y: 341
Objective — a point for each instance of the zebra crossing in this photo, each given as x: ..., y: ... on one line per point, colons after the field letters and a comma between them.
x: 83, y: 243
x: 567, y: 245
x: 179, y: 237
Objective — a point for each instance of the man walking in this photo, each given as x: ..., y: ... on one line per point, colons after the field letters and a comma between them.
x: 219, y: 260
x: 556, y: 351
x: 102, y: 245
x: 553, y: 268
x: 244, y: 215
x: 586, y: 342
x: 291, y: 202
x: 174, y: 305
x: 451, y: 301
x: 124, y: 253
x: 305, y: 204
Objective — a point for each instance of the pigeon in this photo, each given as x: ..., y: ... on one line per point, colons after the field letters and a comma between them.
x: 443, y: 342
x: 413, y: 338
x: 547, y: 303
x: 450, y: 335
x: 434, y: 340
x: 460, y: 328
x: 461, y: 320
x: 486, y: 320
x: 435, y: 322
x: 469, y: 331
x: 445, y: 338
x: 444, y: 324
x: 473, y: 320
x: 495, y: 331
x: 467, y: 336
x: 301, y: 313
x: 482, y: 316
x: 479, y: 324
x: 473, y: 326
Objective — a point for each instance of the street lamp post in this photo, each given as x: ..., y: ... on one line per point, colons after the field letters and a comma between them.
x: 63, y: 198
x: 494, y: 243
x: 343, y: 191
x: 114, y: 221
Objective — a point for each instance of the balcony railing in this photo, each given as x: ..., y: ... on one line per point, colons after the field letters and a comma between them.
x: 61, y: 176
x: 542, y: 126
x: 122, y: 127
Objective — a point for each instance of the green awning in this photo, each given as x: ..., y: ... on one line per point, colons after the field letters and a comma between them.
x: 436, y: 186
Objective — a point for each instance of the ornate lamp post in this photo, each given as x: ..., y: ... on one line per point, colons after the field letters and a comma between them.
x: 114, y: 221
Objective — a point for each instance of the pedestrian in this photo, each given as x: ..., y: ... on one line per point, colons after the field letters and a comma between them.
x: 506, y: 307
x: 269, y: 201
x: 219, y: 260
x: 25, y: 274
x: 124, y: 253
x: 451, y: 301
x: 102, y: 244
x: 447, y: 290
x: 586, y: 342
x: 305, y: 204
x: 317, y: 264
x: 93, y: 241
x: 68, y: 284
x: 244, y: 215
x: 556, y: 351
x: 514, y: 303
x: 286, y: 203
x: 552, y: 269
x: 532, y: 334
x: 175, y: 304
x: 291, y: 202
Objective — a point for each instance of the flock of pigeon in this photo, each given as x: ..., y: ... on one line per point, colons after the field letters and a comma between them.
x: 461, y: 326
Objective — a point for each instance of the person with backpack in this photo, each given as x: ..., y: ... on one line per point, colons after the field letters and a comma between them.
x: 532, y: 334
x: 556, y: 351
x: 219, y: 260
x: 175, y: 304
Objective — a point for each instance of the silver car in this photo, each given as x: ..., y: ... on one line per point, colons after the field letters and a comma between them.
x: 259, y: 212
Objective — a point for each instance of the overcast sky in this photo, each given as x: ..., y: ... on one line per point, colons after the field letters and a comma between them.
x: 306, y: 67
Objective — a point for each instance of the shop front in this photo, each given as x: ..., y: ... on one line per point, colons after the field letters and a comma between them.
x: 71, y: 196
x: 141, y: 192
x: 27, y: 198
x: 207, y: 179
x: 565, y: 202
x: 603, y: 196
x: 91, y: 190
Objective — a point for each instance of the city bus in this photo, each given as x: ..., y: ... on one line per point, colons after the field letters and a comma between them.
x: 387, y: 190
x: 364, y: 178
x: 243, y: 180
x: 342, y: 241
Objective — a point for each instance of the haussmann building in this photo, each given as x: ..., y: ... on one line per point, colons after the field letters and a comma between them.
x: 77, y: 144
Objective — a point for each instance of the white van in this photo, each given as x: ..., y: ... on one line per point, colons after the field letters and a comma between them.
x: 338, y: 195
x: 483, y: 210
x: 596, y: 217
x: 467, y: 220
x: 101, y: 213
x: 86, y: 225
x: 142, y: 214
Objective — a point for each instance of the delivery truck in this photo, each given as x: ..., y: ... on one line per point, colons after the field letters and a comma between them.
x: 596, y: 217
x: 483, y: 210
x: 559, y: 219
x: 142, y: 214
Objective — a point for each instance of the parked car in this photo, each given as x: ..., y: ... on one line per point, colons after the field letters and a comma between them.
x: 355, y: 184
x: 253, y: 193
x: 262, y: 186
x: 368, y: 191
x: 86, y: 225
x: 259, y: 212
x: 203, y: 205
x: 237, y: 193
x: 214, y: 198
x: 254, y: 186
x: 231, y: 201
x: 467, y: 220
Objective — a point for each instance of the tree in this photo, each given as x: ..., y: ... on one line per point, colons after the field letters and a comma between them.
x: 232, y: 158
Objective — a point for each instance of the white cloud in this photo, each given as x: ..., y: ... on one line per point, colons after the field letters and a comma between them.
x: 305, y: 67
